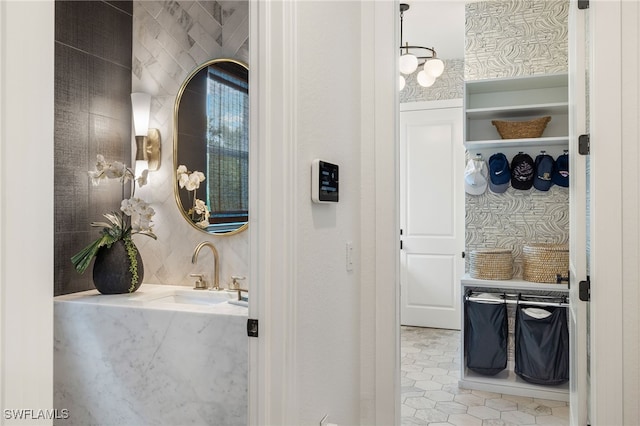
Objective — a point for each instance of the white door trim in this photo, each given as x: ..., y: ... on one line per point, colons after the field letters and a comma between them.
x: 631, y: 212
x: 607, y: 317
x: 272, y: 369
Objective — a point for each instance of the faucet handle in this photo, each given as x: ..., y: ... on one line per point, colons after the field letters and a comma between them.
x: 234, y: 281
x: 200, y: 283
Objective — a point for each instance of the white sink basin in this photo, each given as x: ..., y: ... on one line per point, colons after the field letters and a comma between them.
x: 192, y: 297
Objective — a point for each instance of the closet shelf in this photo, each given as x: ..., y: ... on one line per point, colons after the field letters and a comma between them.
x: 513, y: 284
x: 514, y: 111
x: 524, y: 143
x: 508, y: 382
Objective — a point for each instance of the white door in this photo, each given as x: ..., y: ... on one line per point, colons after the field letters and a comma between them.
x: 431, y: 214
x: 577, y: 211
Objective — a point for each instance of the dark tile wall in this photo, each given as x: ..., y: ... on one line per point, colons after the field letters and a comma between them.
x: 92, y: 116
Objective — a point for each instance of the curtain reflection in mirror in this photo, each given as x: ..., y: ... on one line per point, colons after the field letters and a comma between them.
x: 227, y: 145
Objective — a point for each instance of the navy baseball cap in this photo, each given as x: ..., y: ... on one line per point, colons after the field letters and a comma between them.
x: 561, y: 171
x: 499, y: 173
x: 544, y: 170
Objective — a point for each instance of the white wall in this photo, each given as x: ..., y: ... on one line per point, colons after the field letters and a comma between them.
x: 318, y: 352
x: 26, y: 207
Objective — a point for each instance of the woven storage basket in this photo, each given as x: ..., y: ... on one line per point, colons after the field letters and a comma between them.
x: 491, y: 264
x: 543, y: 262
x: 521, y: 129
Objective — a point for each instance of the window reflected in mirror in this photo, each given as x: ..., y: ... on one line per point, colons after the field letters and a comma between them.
x: 212, y: 137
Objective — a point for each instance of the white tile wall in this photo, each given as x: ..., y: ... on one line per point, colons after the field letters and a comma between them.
x: 170, y: 39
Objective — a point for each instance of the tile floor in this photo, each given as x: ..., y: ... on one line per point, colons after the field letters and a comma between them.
x: 431, y: 396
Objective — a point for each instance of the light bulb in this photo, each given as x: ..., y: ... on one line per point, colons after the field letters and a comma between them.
x: 401, y: 82
x: 434, y: 67
x: 408, y: 63
x: 425, y: 80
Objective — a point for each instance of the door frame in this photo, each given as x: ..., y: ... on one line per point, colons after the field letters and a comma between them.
x: 610, y: 386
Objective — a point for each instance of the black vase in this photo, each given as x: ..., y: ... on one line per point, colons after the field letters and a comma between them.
x: 111, y: 270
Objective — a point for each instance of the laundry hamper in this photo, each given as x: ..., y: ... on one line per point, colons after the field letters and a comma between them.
x: 491, y: 264
x: 542, y: 345
x: 485, y: 336
x: 542, y: 263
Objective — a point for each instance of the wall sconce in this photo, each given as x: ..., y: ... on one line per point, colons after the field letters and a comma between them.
x: 148, y: 146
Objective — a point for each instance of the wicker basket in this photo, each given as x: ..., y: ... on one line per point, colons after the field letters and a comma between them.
x: 543, y: 262
x: 491, y: 264
x: 521, y: 129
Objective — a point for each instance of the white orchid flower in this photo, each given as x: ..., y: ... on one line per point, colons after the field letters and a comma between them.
x: 182, y: 169
x: 198, y: 175
x: 143, y: 179
x: 193, y: 182
x: 115, y: 170
x: 183, y: 179
x: 200, y: 207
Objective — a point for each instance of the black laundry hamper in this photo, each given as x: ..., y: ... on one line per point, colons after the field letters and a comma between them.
x: 542, y: 346
x: 486, y: 334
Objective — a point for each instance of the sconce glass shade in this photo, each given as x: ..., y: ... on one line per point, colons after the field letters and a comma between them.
x: 434, y: 67
x: 141, y: 105
x: 401, y: 82
x: 141, y: 166
x: 425, y: 80
x: 408, y: 63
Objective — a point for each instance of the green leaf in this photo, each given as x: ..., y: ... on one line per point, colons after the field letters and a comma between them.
x: 82, y: 259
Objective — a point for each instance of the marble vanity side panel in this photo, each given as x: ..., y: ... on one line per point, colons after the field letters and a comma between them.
x: 169, y: 40
x: 136, y: 366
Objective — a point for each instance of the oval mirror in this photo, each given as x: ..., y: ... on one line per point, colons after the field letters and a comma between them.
x: 211, y: 147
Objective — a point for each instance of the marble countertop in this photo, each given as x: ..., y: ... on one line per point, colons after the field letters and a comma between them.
x: 165, y: 297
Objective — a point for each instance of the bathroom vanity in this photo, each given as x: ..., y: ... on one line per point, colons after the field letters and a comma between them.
x: 164, y: 355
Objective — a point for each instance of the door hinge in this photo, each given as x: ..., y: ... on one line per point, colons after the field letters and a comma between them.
x: 252, y: 327
x: 400, y: 244
x: 584, y: 290
x: 584, y: 144
x: 583, y: 4
x: 463, y: 255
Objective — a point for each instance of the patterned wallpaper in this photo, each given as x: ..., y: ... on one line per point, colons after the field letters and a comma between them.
x: 515, y: 37
x: 450, y: 85
x: 516, y: 218
x: 171, y: 38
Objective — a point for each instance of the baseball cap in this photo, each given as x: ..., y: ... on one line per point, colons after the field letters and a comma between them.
x: 560, y: 174
x: 522, y: 171
x: 476, y: 177
x: 499, y: 173
x: 544, y: 170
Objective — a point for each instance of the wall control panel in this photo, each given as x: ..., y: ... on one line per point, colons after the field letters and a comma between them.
x: 324, y: 182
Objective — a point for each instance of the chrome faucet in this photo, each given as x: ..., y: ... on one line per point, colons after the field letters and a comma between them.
x: 216, y: 267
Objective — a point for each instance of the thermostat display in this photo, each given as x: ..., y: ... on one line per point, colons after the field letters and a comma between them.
x: 324, y: 182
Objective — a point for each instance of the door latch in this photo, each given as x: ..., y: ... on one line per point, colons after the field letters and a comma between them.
x: 252, y: 327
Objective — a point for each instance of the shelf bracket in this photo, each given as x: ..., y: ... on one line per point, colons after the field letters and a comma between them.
x: 584, y: 144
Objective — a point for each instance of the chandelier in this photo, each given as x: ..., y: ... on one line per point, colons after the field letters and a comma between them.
x: 412, y: 57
